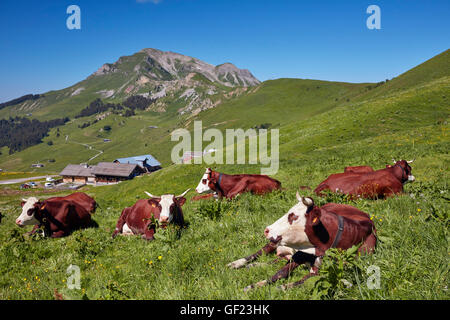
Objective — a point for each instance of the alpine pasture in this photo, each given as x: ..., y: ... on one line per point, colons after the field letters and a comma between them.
x: 324, y: 126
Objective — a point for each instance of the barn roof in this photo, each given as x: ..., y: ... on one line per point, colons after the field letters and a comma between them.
x: 151, y: 161
x: 77, y: 170
x: 114, y: 169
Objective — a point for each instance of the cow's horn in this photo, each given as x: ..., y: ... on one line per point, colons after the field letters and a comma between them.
x: 25, y: 200
x: 298, y: 196
x: 150, y: 195
x: 184, y: 193
x: 411, y: 161
x: 308, y: 201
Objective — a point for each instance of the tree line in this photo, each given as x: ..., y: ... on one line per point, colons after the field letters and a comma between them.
x: 20, y: 133
x: 132, y: 103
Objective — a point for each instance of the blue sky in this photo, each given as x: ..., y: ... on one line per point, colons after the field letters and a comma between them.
x: 312, y: 39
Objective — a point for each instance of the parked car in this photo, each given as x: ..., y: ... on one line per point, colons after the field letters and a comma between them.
x: 49, y: 179
x: 32, y: 184
x: 25, y: 186
x: 49, y: 185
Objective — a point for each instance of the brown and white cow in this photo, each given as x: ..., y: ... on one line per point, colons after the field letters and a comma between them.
x: 138, y: 218
x: 59, y: 217
x: 80, y: 198
x: 229, y: 186
x: 377, y: 184
x: 304, y: 234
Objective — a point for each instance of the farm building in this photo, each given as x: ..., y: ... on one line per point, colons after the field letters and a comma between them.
x: 115, y: 172
x: 104, y: 172
x: 146, y: 162
x: 189, y: 155
x: 79, y: 174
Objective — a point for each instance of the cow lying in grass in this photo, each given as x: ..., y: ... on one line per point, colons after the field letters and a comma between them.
x: 59, y: 216
x: 229, y: 186
x: 304, y: 234
x: 367, y: 184
x: 358, y: 169
x: 140, y: 218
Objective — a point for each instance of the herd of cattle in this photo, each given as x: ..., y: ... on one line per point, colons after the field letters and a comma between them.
x: 301, y: 236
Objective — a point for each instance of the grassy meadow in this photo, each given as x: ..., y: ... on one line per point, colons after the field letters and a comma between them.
x: 320, y: 134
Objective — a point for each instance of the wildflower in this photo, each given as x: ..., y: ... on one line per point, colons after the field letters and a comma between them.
x: 150, y: 262
x: 418, y: 210
x: 160, y: 257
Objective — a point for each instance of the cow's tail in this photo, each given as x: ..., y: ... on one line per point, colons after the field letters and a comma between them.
x: 304, y: 188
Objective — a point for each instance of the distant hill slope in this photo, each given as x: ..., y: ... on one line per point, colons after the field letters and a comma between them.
x: 273, y: 103
x: 432, y: 69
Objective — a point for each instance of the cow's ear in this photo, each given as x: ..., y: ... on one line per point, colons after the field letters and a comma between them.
x: 314, y: 216
x: 22, y: 203
x: 39, y: 205
x: 181, y: 201
x: 153, y: 202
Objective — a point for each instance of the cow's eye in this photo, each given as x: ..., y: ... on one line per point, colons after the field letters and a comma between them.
x: 30, y: 212
x: 204, y: 181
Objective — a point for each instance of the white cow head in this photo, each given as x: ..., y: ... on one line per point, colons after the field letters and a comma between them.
x: 203, y: 185
x: 169, y: 204
x: 29, y: 207
x: 289, y: 230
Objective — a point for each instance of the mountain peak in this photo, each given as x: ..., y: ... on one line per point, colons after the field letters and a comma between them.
x: 167, y: 65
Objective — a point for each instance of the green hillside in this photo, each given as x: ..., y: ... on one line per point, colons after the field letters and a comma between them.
x: 432, y: 69
x: 324, y: 126
x: 275, y: 102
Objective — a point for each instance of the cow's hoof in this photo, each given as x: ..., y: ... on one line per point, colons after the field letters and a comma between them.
x: 256, y: 285
x: 237, y: 264
x: 256, y: 264
x: 248, y: 288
